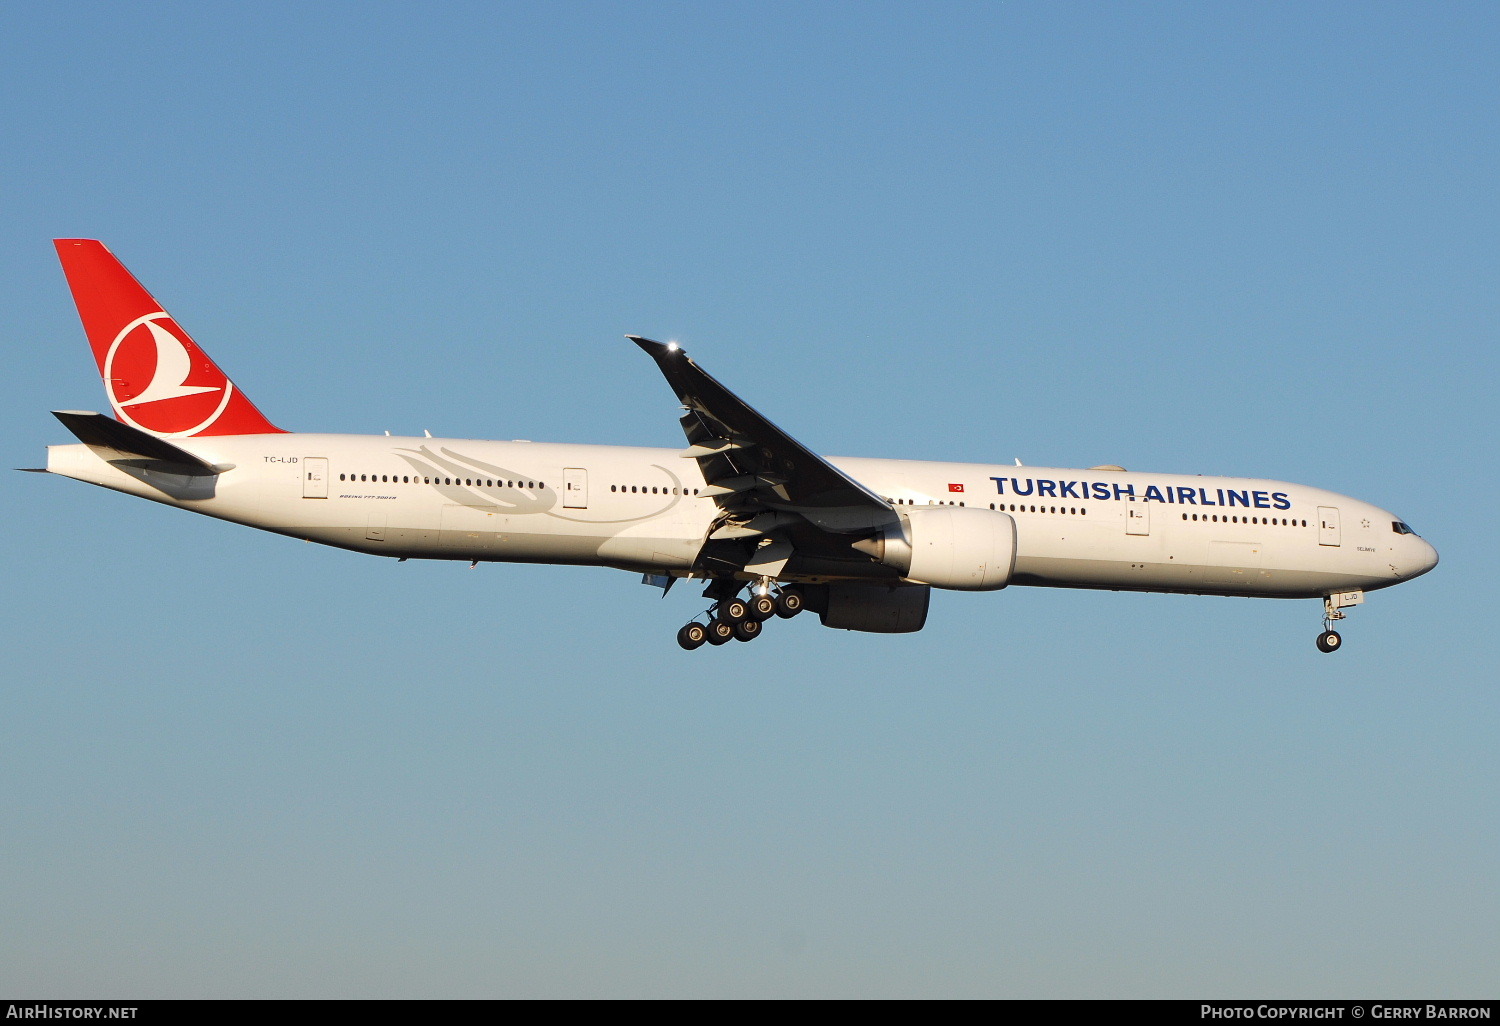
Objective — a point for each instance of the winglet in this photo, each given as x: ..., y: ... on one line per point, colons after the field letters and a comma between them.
x: 659, y: 351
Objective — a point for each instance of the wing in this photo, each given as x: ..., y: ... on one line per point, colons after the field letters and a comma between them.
x: 772, y: 491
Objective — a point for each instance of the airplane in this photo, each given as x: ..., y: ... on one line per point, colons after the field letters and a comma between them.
x: 769, y: 527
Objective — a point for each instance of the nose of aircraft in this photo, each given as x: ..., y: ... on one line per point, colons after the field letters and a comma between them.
x: 1423, y: 557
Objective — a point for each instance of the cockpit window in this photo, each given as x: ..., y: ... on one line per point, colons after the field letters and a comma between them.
x: 1401, y: 528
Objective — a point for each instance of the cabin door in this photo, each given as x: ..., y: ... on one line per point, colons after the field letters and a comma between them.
x: 1328, y: 525
x: 314, y: 477
x: 575, y: 488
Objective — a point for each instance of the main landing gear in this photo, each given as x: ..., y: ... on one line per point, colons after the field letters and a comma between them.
x: 1333, y: 605
x: 740, y: 619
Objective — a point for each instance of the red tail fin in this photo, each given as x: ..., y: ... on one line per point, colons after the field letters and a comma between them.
x: 155, y: 375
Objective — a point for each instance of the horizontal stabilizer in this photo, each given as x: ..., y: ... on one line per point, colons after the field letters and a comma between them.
x: 117, y: 442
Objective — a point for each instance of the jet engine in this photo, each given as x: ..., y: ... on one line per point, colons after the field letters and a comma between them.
x: 956, y: 547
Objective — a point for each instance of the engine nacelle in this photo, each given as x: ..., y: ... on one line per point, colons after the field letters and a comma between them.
x: 957, y: 547
x: 875, y: 608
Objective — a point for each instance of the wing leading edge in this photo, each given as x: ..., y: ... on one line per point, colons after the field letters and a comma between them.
x: 768, y: 485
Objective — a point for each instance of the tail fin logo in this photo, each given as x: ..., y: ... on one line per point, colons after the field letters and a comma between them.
x: 159, y: 380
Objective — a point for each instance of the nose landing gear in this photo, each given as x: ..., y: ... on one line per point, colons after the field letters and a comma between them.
x: 1333, y: 606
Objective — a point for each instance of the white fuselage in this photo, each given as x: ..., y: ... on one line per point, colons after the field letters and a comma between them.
x: 637, y: 509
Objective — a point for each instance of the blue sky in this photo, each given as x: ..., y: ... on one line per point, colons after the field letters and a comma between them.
x: 1250, y: 239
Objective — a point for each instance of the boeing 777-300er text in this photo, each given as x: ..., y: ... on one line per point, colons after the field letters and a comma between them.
x: 770, y: 526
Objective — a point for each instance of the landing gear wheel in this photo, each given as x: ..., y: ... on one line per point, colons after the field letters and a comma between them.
x: 762, y: 607
x: 733, y: 609
x: 692, y: 635
x: 747, y: 630
x: 719, y: 631
x: 789, y: 603
x: 1329, y: 641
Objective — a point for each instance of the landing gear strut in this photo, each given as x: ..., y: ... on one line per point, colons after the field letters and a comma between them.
x: 1333, y: 610
x: 742, y: 619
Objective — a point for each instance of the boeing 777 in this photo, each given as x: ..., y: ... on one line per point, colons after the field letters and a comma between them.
x: 769, y: 526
